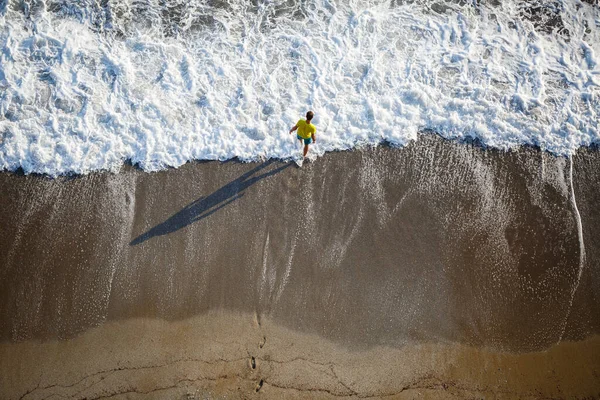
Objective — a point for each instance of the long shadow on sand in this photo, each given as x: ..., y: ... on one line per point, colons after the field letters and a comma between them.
x: 205, y: 206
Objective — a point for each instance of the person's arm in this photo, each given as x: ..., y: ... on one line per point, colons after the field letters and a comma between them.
x: 294, y: 128
x: 314, y: 138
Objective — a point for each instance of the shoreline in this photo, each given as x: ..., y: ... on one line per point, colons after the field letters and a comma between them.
x: 474, y: 142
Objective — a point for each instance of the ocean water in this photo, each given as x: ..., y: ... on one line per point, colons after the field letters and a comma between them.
x: 86, y: 85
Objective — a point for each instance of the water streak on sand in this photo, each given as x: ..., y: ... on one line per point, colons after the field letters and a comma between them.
x: 581, y: 248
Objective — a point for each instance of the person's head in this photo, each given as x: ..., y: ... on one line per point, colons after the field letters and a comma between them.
x: 309, y: 115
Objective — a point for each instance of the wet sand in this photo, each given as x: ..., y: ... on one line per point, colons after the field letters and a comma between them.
x: 436, y: 270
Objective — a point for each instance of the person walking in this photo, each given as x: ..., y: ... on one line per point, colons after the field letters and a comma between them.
x: 306, y: 131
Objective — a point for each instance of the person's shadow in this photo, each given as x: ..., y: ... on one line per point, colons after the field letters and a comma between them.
x: 205, y: 206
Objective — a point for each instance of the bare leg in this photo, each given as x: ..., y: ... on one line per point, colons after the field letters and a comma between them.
x: 305, y: 149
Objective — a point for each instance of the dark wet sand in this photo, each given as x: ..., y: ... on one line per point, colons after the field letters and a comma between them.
x: 432, y: 271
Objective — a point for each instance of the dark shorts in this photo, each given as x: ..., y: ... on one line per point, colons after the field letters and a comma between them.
x: 306, y: 141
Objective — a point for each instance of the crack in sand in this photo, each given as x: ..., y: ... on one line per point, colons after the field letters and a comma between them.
x: 330, y: 367
x: 418, y: 385
x: 427, y: 382
x: 297, y: 359
x: 30, y: 391
x: 176, y: 385
x: 113, y: 371
x: 352, y: 391
x: 304, y: 390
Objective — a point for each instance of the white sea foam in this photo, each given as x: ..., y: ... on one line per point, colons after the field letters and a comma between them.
x: 86, y: 87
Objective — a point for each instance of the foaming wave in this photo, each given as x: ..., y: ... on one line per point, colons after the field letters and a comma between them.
x: 87, y: 85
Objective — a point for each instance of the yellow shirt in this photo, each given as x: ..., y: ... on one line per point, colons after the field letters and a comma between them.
x: 305, y: 130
